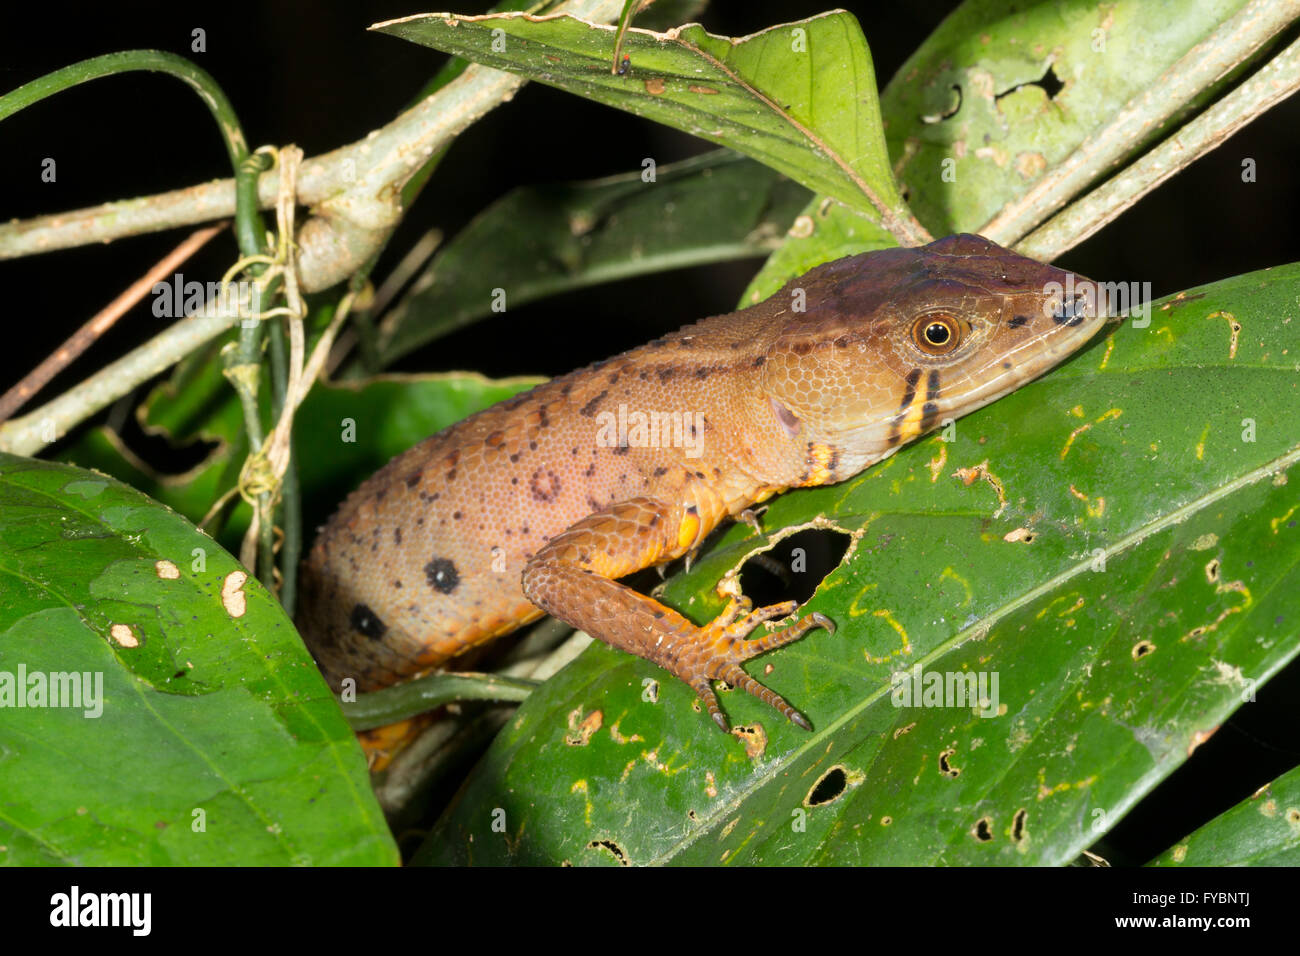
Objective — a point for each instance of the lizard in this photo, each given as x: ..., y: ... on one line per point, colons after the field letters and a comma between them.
x: 540, y: 503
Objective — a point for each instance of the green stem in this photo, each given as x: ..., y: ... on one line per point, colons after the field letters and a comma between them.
x: 128, y: 61
x: 392, y: 704
x: 250, y: 233
x: 291, y: 524
x: 290, y: 504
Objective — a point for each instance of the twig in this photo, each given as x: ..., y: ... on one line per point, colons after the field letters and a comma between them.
x: 89, y: 333
x: 30, y: 433
x: 435, y: 122
x: 394, y: 282
x: 112, y: 64
x: 263, y: 473
x: 1235, y: 41
x: 353, y: 188
x: 1273, y: 83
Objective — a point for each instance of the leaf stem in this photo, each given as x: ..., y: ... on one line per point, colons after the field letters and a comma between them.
x: 1277, y: 80
x: 128, y: 61
x: 1233, y: 43
x: 392, y: 704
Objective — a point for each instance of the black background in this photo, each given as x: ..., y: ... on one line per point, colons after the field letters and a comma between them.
x: 309, y: 73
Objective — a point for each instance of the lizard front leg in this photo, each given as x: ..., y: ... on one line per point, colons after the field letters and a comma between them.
x: 572, y: 577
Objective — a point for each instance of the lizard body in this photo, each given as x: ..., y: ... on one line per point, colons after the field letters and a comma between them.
x: 540, y: 503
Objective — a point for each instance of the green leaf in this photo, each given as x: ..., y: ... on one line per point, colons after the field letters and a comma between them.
x: 1262, y: 830
x: 825, y: 231
x: 800, y: 98
x: 211, y: 738
x: 969, y: 120
x: 342, y: 434
x: 1123, y: 562
x: 1003, y: 91
x: 550, y: 239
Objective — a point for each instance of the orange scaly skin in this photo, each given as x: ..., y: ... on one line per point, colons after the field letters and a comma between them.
x: 537, y: 504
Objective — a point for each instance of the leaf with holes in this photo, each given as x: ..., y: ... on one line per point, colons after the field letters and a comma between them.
x: 1262, y: 830
x: 998, y: 95
x: 158, y: 706
x: 1004, y: 91
x: 800, y: 97
x: 1038, y: 622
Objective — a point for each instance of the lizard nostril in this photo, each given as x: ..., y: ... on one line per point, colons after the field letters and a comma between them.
x: 1070, y: 311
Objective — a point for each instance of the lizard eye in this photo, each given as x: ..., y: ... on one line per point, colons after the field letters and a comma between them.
x: 936, y: 333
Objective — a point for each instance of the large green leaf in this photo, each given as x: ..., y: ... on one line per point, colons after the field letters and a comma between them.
x: 1117, y: 542
x: 1003, y: 91
x: 1000, y: 93
x: 211, y: 737
x: 539, y: 240
x: 1262, y: 830
x: 800, y: 97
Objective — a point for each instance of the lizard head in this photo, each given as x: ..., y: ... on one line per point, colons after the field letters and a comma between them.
x: 893, y: 342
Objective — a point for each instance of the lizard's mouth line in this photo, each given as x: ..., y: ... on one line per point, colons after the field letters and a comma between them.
x: 1041, y: 357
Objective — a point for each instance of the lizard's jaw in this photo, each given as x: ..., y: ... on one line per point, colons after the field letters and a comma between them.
x: 1027, y: 362
x: 959, y: 391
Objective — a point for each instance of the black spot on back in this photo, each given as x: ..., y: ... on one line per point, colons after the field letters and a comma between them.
x: 545, y: 485
x: 367, y: 622
x: 442, y: 575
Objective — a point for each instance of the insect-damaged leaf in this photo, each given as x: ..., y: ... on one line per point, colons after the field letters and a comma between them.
x: 201, y: 731
x: 1114, y: 544
x: 1003, y: 91
x: 1262, y: 830
x: 999, y: 94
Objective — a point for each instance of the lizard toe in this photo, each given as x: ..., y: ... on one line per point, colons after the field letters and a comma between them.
x: 734, y: 675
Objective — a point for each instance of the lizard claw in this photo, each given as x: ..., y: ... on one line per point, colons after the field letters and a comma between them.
x: 723, y: 647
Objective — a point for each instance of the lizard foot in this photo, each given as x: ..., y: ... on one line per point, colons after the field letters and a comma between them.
x: 723, y: 647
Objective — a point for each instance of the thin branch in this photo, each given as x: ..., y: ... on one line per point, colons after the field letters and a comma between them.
x: 434, y: 122
x: 1234, y: 42
x: 89, y: 333
x: 112, y: 64
x: 30, y: 433
x: 1265, y: 89
x: 355, y: 188
x: 396, y: 280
